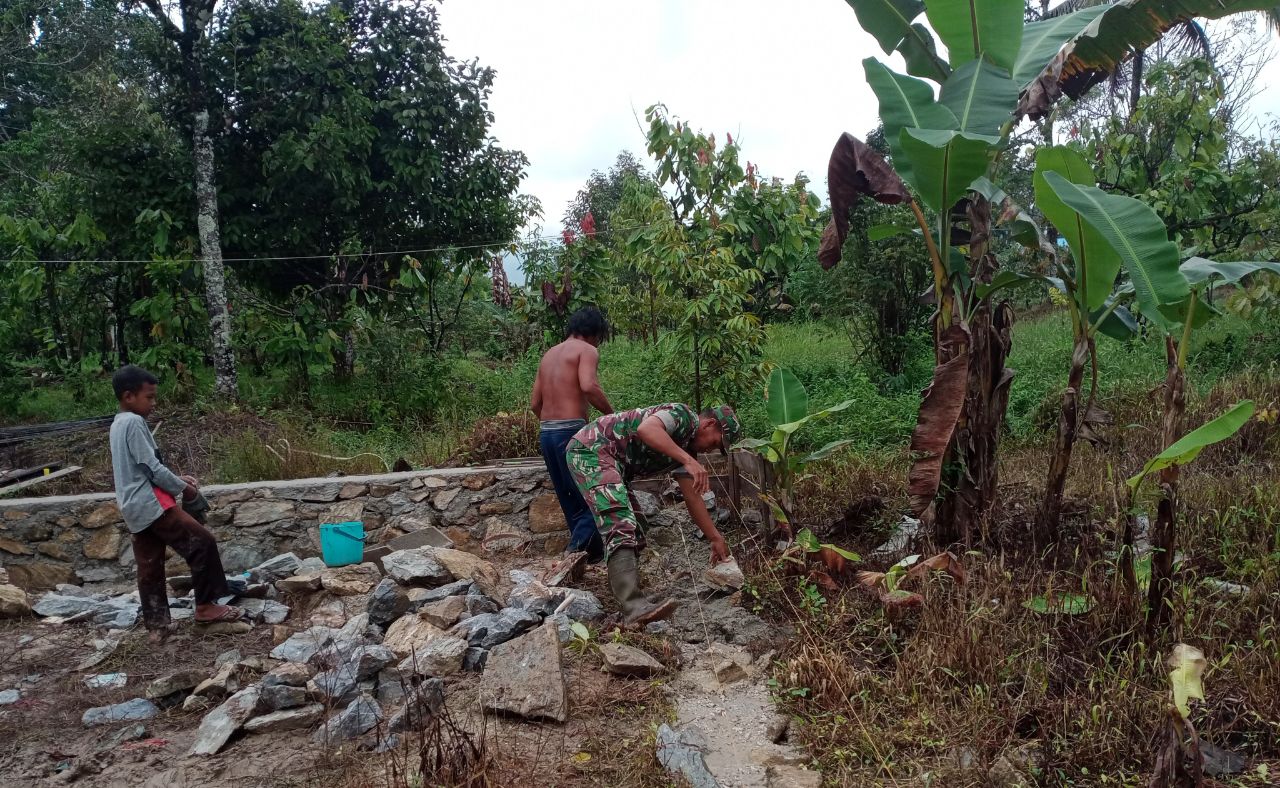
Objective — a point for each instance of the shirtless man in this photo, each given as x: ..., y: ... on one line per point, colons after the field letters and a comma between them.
x: 565, y: 385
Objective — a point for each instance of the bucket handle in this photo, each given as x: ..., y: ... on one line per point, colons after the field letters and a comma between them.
x: 359, y: 539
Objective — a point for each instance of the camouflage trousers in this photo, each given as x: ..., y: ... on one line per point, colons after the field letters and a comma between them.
x: 600, y: 477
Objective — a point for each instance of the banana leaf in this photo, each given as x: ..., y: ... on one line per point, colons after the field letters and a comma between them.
x: 1189, y: 446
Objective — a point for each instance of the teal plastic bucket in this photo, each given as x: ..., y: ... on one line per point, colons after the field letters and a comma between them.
x: 341, y: 543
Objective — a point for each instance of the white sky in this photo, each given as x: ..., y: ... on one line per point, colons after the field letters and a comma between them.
x: 573, y: 76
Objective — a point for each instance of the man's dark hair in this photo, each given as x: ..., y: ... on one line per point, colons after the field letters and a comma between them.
x: 587, y: 322
x: 129, y: 378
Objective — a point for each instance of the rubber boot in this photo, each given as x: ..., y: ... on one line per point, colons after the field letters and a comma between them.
x: 624, y: 582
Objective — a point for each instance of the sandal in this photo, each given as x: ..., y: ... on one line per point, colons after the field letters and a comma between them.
x: 229, y: 613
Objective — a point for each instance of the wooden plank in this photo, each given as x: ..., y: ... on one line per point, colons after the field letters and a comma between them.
x: 39, y: 480
x: 22, y: 474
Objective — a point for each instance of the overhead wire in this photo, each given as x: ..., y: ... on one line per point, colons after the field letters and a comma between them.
x: 339, y: 255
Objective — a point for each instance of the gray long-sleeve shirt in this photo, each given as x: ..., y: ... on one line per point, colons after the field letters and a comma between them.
x: 137, y: 469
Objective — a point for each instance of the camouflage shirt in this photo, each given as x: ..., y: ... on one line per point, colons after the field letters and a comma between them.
x: 615, y: 435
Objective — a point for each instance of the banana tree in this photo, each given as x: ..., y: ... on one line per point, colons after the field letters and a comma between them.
x: 1178, y: 320
x: 787, y: 405
x: 944, y: 144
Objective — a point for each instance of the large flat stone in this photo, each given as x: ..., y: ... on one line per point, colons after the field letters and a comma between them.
x: 465, y: 566
x: 445, y: 612
x: 417, y: 567
x: 102, y: 515
x: 13, y: 602
x: 351, y: 580
x: 104, y: 545
x: 128, y: 711
x: 441, y: 656
x: 277, y: 568
x: 353, y: 721
x: 524, y: 677
x: 219, y: 725
x: 546, y: 516
x: 302, y: 646
x: 409, y: 633
x: 623, y: 660
x: 287, y: 720
x: 262, y: 511
x: 489, y: 629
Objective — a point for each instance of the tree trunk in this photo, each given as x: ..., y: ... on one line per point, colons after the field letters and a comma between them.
x: 972, y: 456
x: 215, y: 283
x: 1164, y: 530
x: 653, y: 309
x: 55, y: 310
x: 1060, y: 462
x: 1135, y: 81
x: 971, y: 467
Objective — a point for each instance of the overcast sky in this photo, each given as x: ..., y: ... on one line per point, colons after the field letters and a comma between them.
x: 573, y: 77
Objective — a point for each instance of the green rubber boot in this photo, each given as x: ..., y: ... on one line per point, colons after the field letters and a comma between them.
x: 624, y: 582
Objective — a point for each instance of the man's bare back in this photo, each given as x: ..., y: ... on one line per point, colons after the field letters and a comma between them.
x: 567, y: 382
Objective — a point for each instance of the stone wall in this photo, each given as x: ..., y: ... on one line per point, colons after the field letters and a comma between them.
x: 80, y: 538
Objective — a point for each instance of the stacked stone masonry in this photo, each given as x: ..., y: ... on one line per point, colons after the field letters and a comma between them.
x: 81, y: 539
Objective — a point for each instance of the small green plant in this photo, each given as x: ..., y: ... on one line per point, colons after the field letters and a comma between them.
x: 582, y: 639
x: 787, y: 406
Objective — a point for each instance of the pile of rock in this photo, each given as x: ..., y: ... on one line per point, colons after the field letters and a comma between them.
x: 435, y: 612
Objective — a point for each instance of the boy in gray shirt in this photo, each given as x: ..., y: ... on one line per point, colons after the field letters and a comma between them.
x: 148, y: 495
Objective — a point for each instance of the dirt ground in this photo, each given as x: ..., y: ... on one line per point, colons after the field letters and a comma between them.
x: 609, y: 739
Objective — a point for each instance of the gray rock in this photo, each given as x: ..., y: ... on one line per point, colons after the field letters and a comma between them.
x: 353, y: 721
x: 474, y: 659
x: 299, y: 583
x: 444, y: 613
x: 524, y: 677
x: 219, y: 725
x: 290, y: 674
x: 118, y: 612
x: 392, y: 687
x: 302, y: 646
x: 173, y: 683
x: 282, y: 696
x: 478, y: 604
x: 291, y: 719
x: 266, y: 611
x: 335, y: 687
x: 683, y: 753
x: 312, y: 565
x: 622, y: 660
x: 416, y: 567
x: 97, y: 574
x: 489, y: 629
x: 778, y: 728
x: 128, y: 711
x: 441, y: 656
x: 387, y: 602
x: 658, y: 628
x: 725, y: 576
x: 647, y: 504
x: 564, y: 626
x: 420, y: 706
x: 228, y: 657
x: 420, y: 597
x: 10, y: 697
x: 273, y: 569
x: 368, y: 661
x: 584, y: 606
x: 531, y: 595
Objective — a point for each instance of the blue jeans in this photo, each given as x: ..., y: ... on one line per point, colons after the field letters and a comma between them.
x: 583, y: 534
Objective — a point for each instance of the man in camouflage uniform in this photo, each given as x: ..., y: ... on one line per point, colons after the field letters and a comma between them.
x: 607, y: 454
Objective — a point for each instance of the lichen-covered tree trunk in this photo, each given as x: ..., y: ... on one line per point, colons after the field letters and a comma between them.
x: 1064, y: 442
x: 1164, y: 531
x: 215, y: 282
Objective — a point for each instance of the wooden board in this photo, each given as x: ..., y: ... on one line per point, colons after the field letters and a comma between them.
x: 39, y: 480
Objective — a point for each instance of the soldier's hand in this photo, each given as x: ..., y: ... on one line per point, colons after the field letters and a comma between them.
x: 719, y: 551
x: 701, y: 482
